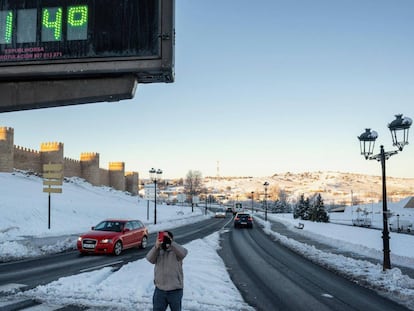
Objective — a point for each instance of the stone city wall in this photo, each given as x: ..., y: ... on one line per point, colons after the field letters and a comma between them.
x: 71, y: 168
x: 26, y: 159
x: 104, y: 176
x: 17, y: 157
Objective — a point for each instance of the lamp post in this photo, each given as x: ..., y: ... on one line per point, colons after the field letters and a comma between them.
x: 154, y: 177
x: 398, y: 223
x: 399, y: 133
x: 266, y: 184
x: 205, y: 210
x: 252, y: 200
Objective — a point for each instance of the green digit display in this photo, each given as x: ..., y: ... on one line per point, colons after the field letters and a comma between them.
x: 21, y: 25
x: 6, y: 27
x: 52, y: 24
x: 77, y: 25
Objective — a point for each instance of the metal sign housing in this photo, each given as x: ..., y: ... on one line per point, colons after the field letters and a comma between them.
x: 66, y: 52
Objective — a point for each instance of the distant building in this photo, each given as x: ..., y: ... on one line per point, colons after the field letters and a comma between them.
x: 410, y: 203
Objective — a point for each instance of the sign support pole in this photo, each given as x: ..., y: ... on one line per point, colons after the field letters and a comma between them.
x: 48, y: 224
x: 52, y: 176
x: 147, y: 209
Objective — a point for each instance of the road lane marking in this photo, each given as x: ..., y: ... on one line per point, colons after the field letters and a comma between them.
x: 327, y: 296
x: 102, y: 266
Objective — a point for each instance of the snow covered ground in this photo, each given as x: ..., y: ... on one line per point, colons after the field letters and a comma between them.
x: 24, y: 233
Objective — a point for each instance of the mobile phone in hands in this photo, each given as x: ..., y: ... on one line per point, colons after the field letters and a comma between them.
x: 161, y: 236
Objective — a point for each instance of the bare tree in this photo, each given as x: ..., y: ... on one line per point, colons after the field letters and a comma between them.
x: 193, y: 185
x: 273, y: 192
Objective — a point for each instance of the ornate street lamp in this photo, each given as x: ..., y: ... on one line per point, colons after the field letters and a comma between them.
x: 367, y: 142
x: 399, y: 132
x: 155, y: 176
x: 266, y: 184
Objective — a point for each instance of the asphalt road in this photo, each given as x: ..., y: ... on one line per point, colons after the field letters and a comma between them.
x: 271, y: 277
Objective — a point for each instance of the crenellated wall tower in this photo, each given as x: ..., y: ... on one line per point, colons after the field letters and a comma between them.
x: 90, y: 167
x: 132, y: 182
x: 51, y: 152
x: 117, y: 175
x: 6, y: 149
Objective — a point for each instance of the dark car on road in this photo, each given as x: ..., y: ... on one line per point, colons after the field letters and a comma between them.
x: 111, y: 236
x: 243, y: 220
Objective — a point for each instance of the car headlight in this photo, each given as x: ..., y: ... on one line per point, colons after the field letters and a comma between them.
x: 80, y: 239
x: 106, y: 241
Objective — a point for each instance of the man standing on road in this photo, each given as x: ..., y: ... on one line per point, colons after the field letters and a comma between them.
x: 167, y: 256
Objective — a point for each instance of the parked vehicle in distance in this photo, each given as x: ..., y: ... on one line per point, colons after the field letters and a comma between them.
x: 243, y: 220
x: 400, y: 225
x: 112, y: 236
x: 220, y: 213
x: 361, y: 222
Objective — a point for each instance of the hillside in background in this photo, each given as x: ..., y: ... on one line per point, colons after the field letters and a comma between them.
x: 336, y: 188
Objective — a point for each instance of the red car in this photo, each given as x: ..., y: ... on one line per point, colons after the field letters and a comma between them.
x: 111, y: 236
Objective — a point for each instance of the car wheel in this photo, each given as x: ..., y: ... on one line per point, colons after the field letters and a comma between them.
x: 144, y: 242
x: 118, y: 248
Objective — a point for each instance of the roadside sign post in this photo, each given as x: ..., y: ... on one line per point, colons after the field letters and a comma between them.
x: 194, y: 200
x: 149, y: 196
x: 52, y: 176
x: 181, y: 198
x: 147, y: 209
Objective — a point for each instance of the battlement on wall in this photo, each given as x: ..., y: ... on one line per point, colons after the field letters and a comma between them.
x: 89, y: 156
x: 6, y: 132
x: 69, y: 160
x: 51, y: 146
x: 24, y: 149
x: 116, y: 166
x: 6, y: 129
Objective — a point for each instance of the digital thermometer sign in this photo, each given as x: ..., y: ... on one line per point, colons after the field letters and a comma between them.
x: 76, y: 20
x: 53, y: 38
x: 68, y: 52
x: 63, y: 29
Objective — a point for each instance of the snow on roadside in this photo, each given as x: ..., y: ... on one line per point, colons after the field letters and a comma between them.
x: 207, y: 285
x: 390, y: 283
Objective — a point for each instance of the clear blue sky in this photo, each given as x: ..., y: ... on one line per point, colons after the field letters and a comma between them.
x: 262, y: 87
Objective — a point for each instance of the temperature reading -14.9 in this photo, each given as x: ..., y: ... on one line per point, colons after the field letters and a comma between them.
x: 22, y: 26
